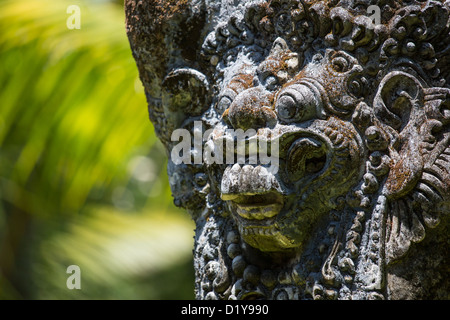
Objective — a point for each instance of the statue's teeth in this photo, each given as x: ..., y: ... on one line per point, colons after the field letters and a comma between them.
x: 236, y: 168
x: 247, y: 179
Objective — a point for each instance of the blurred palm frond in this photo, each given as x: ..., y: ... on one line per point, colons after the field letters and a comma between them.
x: 72, y: 107
x: 82, y: 176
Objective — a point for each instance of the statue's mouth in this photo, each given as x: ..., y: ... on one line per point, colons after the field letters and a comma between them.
x: 259, y: 206
x: 257, y: 195
x: 254, y: 194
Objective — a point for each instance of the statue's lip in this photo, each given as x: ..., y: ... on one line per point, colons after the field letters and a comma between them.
x: 259, y: 212
x: 257, y: 206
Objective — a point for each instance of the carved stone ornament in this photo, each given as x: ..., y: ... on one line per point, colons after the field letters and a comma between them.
x: 348, y: 100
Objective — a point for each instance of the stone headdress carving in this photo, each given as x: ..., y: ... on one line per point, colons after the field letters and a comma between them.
x: 355, y: 95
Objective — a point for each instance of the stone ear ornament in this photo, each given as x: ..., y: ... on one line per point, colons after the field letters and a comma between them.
x: 185, y: 94
x: 186, y: 90
x: 309, y: 142
x: 418, y: 181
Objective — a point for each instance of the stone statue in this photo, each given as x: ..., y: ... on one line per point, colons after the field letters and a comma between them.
x: 316, y: 163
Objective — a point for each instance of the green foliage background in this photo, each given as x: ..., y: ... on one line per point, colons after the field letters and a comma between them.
x: 82, y: 176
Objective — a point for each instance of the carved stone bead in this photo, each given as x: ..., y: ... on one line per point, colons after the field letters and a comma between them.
x: 268, y: 278
x: 251, y: 274
x: 238, y: 265
x: 233, y: 250
x: 232, y: 237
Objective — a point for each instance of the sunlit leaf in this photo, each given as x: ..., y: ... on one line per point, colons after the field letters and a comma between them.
x: 82, y: 175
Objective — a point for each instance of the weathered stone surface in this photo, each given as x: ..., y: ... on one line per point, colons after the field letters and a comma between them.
x: 358, y: 106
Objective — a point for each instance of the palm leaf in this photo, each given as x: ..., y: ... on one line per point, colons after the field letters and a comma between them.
x: 72, y: 121
x: 70, y: 113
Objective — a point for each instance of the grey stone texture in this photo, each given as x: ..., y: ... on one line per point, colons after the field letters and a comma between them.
x: 358, y: 105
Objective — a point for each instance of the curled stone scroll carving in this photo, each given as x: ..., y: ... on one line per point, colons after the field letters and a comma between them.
x: 352, y: 113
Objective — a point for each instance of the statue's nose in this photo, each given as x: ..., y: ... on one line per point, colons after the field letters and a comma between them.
x: 252, y: 108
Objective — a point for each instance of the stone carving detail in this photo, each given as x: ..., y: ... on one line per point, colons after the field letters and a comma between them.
x: 360, y: 113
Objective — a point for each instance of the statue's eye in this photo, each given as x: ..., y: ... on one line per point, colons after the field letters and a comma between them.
x: 340, y: 64
x: 287, y: 107
x: 296, y: 103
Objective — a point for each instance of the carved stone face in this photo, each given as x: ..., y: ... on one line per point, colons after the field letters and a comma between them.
x: 298, y: 107
x: 310, y: 145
